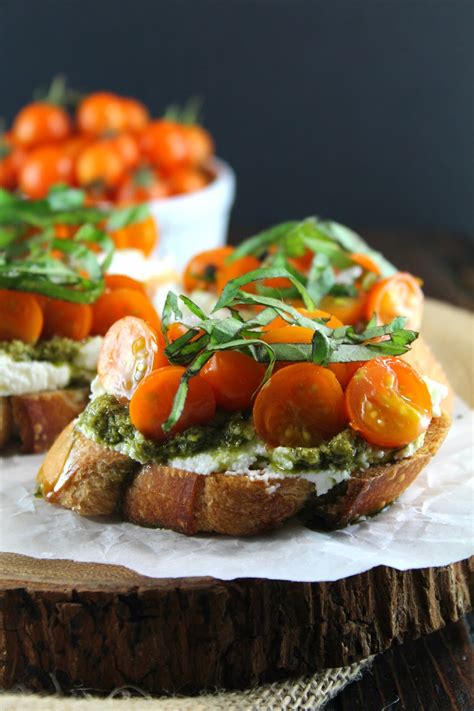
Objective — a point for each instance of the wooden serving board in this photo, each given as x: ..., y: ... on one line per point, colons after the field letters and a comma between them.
x: 103, y: 627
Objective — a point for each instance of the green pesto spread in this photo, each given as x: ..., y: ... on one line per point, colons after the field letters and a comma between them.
x: 107, y: 422
x: 55, y: 350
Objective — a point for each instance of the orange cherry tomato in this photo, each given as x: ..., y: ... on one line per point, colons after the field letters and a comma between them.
x: 114, y: 305
x: 300, y: 334
x: 130, y: 351
x: 236, y: 269
x: 202, y: 269
x: 304, y: 262
x: 66, y: 319
x: 100, y: 163
x: 164, y: 144
x: 366, y: 262
x: 139, y: 235
x: 127, y: 147
x: 136, y: 114
x: 199, y: 144
x: 279, y: 321
x: 187, y: 180
x: 121, y: 281
x: 141, y: 186
x: 300, y: 406
x: 388, y: 402
x: 348, y: 309
x: 39, y: 123
x: 21, y: 317
x: 44, y: 167
x: 176, y: 330
x: 75, y: 144
x: 7, y: 171
x: 234, y: 377
x: 152, y: 401
x: 398, y: 295
x: 100, y: 113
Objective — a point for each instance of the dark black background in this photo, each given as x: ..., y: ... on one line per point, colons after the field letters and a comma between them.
x: 362, y: 110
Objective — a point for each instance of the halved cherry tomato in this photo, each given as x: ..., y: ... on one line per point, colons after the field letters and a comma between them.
x: 366, y: 262
x: 388, y: 402
x: 279, y: 321
x: 66, y: 319
x: 122, y: 281
x: 114, y: 305
x: 139, y: 235
x: 304, y: 262
x: 236, y: 269
x: 300, y: 406
x: 136, y: 114
x: 130, y: 351
x: 39, y: 123
x: 176, y: 330
x: 100, y: 163
x: 300, y: 334
x: 100, y: 113
x: 398, y: 295
x: 44, y: 167
x: 202, y: 269
x: 65, y: 231
x: 348, y: 309
x: 234, y: 377
x: 152, y: 401
x: 187, y: 180
x: 164, y: 144
x: 199, y: 144
x: 21, y: 317
x: 142, y: 185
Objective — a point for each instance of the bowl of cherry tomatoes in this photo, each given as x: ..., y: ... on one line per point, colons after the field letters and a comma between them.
x: 111, y: 147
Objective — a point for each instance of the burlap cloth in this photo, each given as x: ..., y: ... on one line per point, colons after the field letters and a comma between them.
x: 449, y: 331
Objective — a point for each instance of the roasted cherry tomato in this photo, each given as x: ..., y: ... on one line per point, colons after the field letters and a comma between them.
x: 139, y: 235
x: 201, y: 271
x: 114, y: 305
x: 44, y: 167
x: 300, y: 406
x: 398, y: 295
x: 100, y: 163
x: 348, y: 309
x: 187, y: 180
x: 152, y: 401
x: 66, y: 319
x: 131, y: 350
x: 141, y: 186
x: 122, y: 281
x: 388, y: 402
x: 40, y: 123
x: 164, y: 144
x: 21, y: 317
x: 234, y: 377
x: 101, y: 113
x: 199, y: 144
x: 236, y: 269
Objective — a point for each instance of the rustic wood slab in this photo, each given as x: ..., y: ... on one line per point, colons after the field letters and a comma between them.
x: 105, y: 626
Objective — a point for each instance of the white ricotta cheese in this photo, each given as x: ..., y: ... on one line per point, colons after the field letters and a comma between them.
x: 437, y: 392
x: 22, y: 377
x: 89, y: 354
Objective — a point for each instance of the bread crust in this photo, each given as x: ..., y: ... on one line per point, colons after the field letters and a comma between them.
x: 97, y: 481
x: 38, y: 418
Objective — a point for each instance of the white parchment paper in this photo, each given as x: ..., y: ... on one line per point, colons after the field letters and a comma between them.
x: 430, y: 525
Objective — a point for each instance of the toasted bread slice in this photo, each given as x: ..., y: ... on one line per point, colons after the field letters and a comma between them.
x: 38, y: 418
x: 84, y: 476
x: 96, y: 480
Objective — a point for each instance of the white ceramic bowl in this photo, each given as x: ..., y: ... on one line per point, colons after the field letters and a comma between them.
x: 191, y: 223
